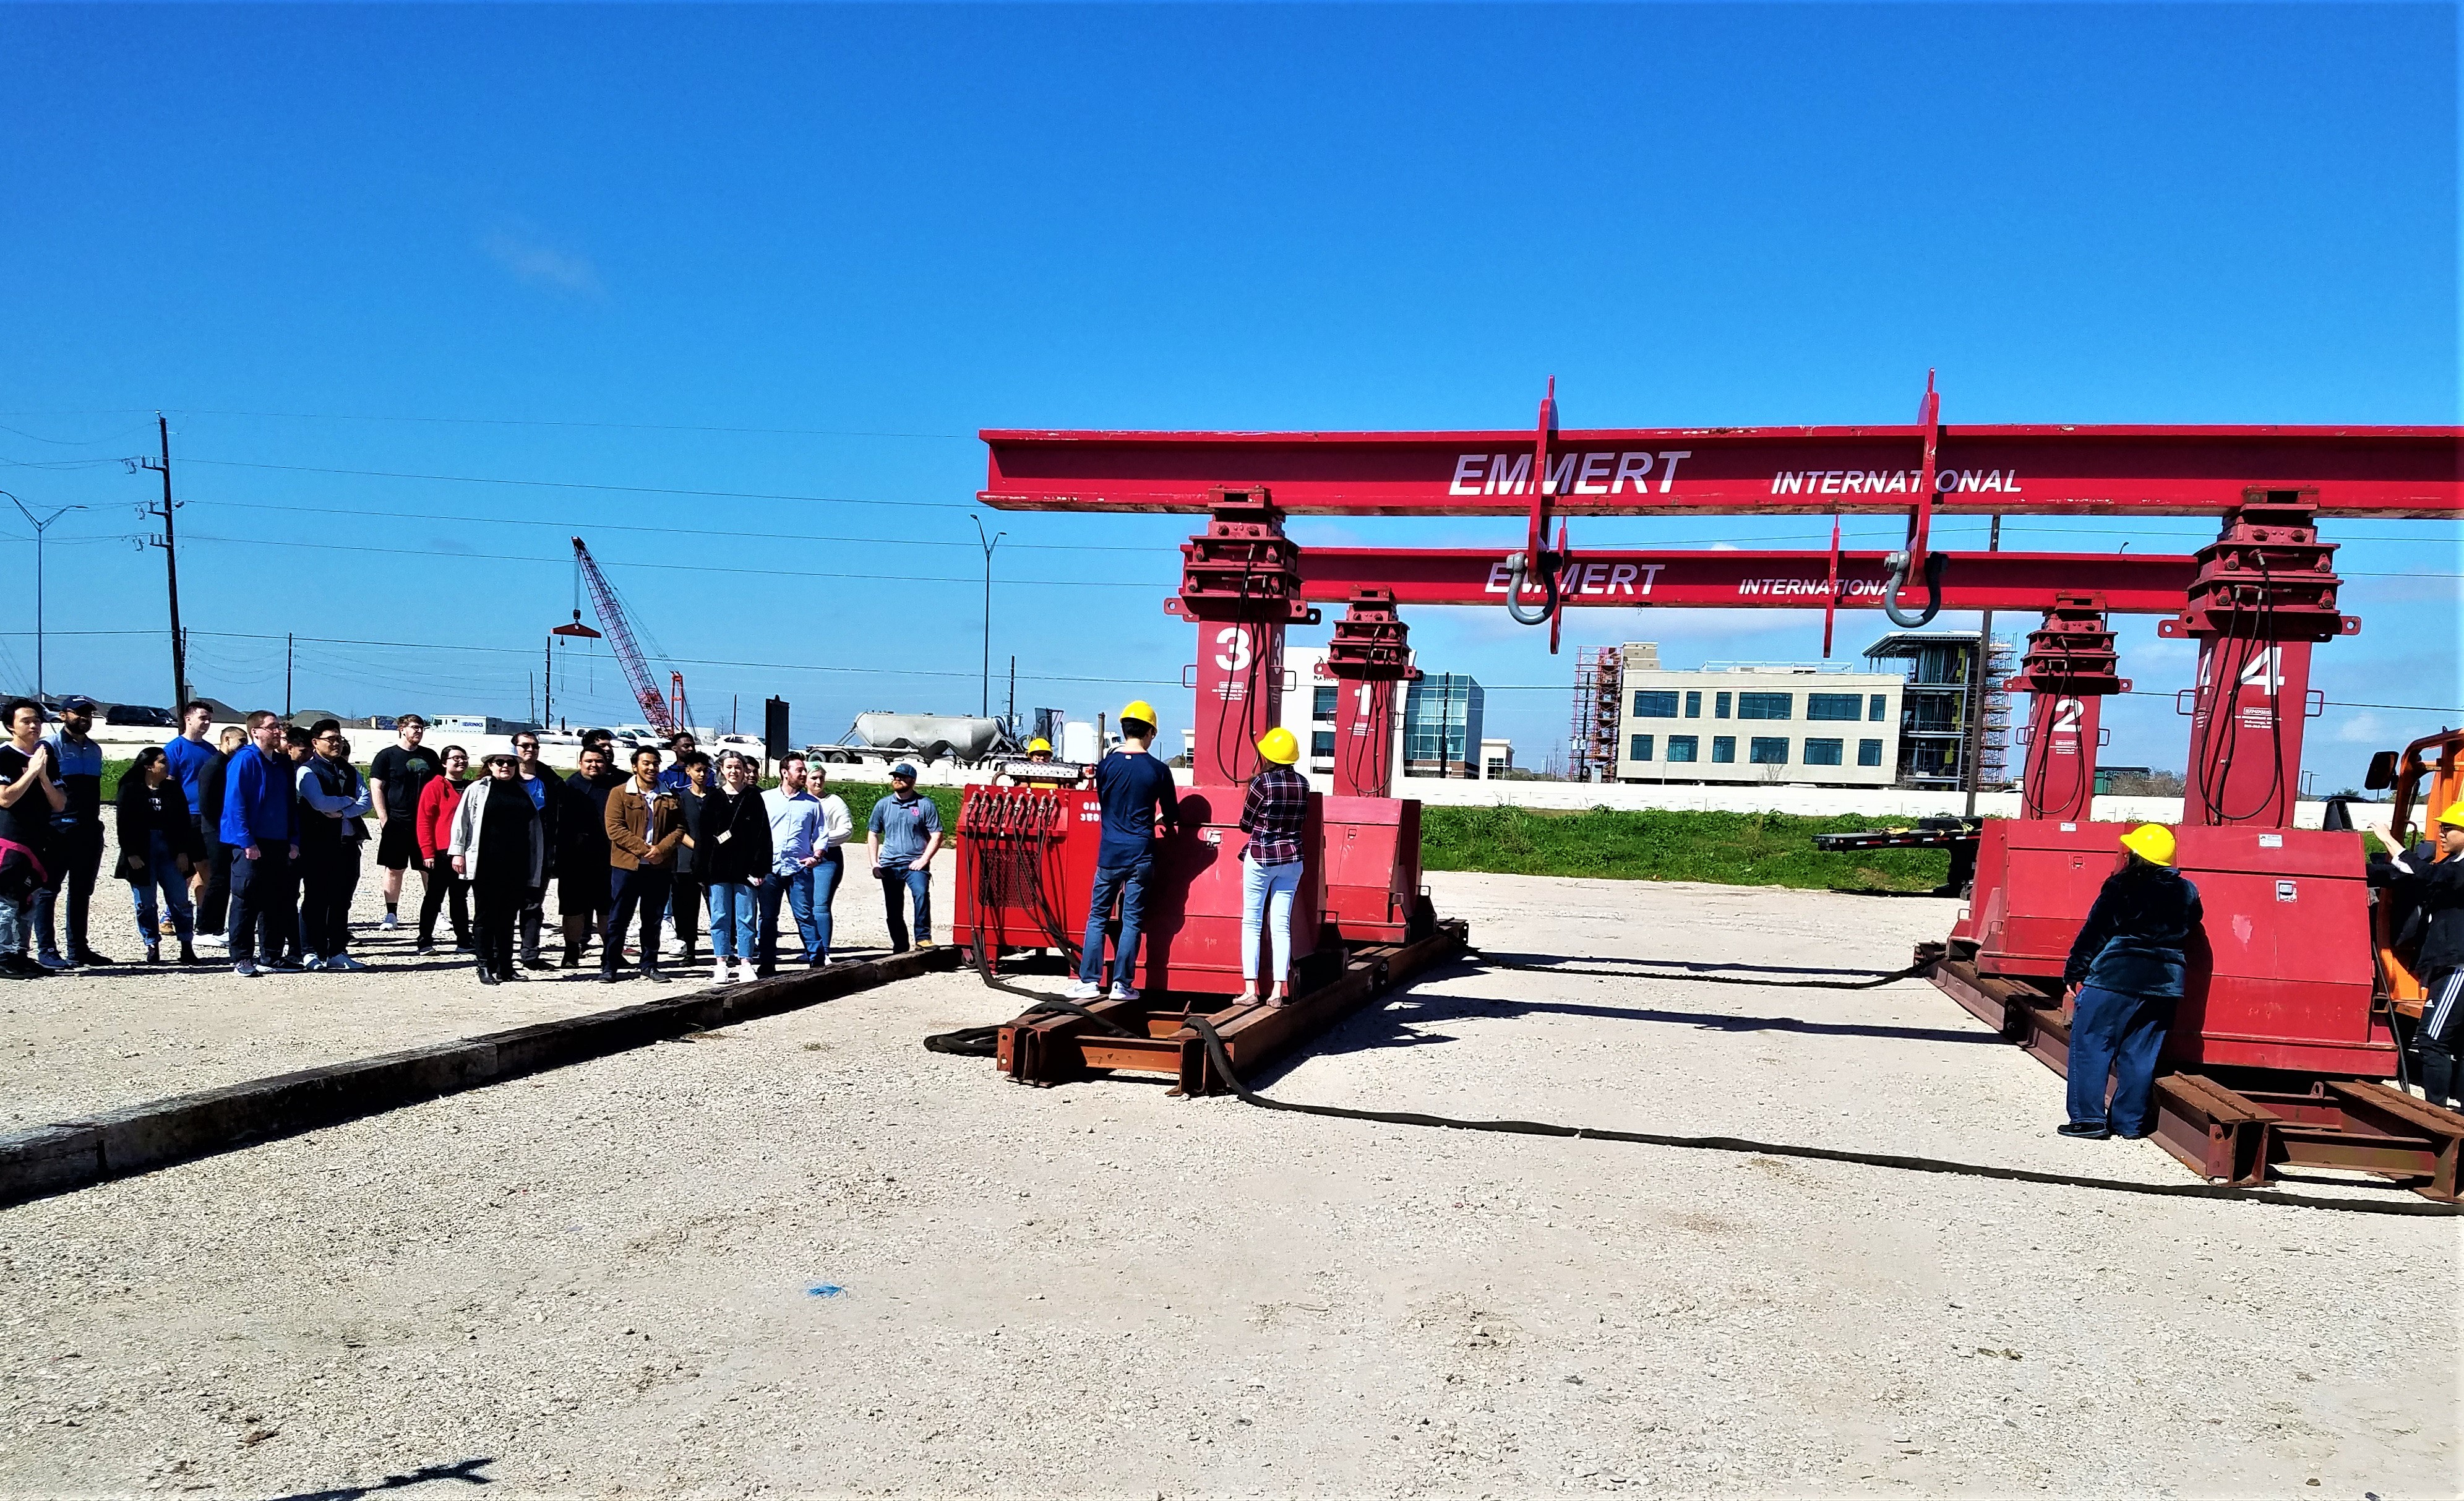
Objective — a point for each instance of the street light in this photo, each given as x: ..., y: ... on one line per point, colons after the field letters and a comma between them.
x: 40, y: 527
x: 985, y: 708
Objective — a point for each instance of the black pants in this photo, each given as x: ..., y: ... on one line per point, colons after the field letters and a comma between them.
x: 213, y: 903
x: 442, y: 882
x: 264, y: 903
x: 327, y: 880
x: 75, y: 857
x: 644, y: 890
x: 533, y: 916
x: 499, y: 910
x: 2442, y: 1027
x: 684, y: 910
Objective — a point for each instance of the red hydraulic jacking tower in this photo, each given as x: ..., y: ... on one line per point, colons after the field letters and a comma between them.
x: 2287, y: 984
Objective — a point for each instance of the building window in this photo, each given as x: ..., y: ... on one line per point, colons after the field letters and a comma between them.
x: 1767, y: 750
x: 1874, y: 706
x: 1694, y: 703
x: 1441, y: 719
x: 1869, y: 753
x: 1322, y: 704
x: 1766, y: 706
x: 1823, y: 753
x: 1682, y: 747
x: 1321, y: 742
x: 1833, y: 706
x: 1724, y: 747
x: 1639, y: 748
x: 1655, y: 705
x: 1720, y: 706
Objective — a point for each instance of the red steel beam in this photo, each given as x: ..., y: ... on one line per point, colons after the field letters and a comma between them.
x: 2013, y: 470
x: 2134, y: 583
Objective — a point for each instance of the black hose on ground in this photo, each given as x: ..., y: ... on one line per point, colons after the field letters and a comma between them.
x: 1220, y: 1059
x: 1875, y: 981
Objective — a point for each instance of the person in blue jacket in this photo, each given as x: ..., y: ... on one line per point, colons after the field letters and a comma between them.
x: 2124, y: 977
x: 261, y: 825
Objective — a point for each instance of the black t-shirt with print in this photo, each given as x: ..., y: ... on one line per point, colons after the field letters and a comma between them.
x: 403, y: 773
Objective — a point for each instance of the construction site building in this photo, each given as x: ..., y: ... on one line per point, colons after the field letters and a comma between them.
x: 1940, y: 681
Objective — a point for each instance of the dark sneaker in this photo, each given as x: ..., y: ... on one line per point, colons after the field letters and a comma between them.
x: 90, y: 957
x: 52, y: 961
x: 2085, y: 1130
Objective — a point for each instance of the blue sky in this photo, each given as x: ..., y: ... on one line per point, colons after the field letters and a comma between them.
x: 807, y: 252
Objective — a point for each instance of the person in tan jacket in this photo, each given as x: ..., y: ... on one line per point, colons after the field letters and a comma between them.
x: 645, y: 823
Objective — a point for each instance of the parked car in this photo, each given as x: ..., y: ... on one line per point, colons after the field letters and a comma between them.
x: 138, y: 714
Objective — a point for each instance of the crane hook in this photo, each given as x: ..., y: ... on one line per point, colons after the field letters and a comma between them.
x: 1516, y: 576
x: 1898, y: 563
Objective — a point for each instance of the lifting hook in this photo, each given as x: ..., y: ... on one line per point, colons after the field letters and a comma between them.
x: 1517, y: 575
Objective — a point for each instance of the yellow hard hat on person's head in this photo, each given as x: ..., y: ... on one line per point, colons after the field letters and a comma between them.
x: 1140, y: 709
x: 1280, y: 746
x: 1039, y: 743
x: 2152, y: 843
x: 2454, y: 815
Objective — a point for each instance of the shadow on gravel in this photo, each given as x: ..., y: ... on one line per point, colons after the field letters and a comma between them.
x: 467, y: 1471
x: 1386, y: 1026
x: 1645, y: 968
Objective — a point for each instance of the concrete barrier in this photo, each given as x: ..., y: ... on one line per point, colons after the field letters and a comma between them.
x: 70, y: 1154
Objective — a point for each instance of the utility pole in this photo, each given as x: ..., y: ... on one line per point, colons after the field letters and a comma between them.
x: 40, y: 527
x: 288, y: 642
x: 985, y: 708
x: 1978, y: 677
x: 1013, y: 692
x: 169, y: 542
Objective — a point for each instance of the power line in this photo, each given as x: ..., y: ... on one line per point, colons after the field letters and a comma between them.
x: 678, y: 567
x: 581, y: 484
x: 547, y: 422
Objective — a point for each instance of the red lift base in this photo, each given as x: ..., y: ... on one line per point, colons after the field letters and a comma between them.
x: 1046, y: 1049
x: 2237, y: 1135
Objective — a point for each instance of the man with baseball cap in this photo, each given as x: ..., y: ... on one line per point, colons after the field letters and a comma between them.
x: 901, y: 839
x: 2431, y: 878
x: 77, y: 837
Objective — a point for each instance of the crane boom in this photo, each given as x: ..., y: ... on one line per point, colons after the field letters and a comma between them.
x: 620, y: 640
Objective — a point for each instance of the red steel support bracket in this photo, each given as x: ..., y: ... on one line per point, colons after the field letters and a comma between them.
x: 1534, y: 561
x: 1915, y: 556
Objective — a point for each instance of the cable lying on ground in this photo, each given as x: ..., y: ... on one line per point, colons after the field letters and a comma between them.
x: 1220, y: 1059
x: 1875, y: 981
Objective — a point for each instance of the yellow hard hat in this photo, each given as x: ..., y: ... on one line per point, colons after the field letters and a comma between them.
x: 2454, y: 815
x: 2152, y: 843
x: 1140, y: 709
x: 1039, y: 743
x: 1280, y: 746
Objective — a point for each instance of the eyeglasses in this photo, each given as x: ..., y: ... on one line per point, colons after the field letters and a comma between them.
x: 525, y: 744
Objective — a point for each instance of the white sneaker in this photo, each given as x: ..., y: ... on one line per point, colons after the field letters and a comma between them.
x: 345, y: 962
x: 220, y: 941
x: 1122, y: 992
x: 720, y: 974
x: 1082, y: 990
x: 744, y: 971
x: 314, y: 962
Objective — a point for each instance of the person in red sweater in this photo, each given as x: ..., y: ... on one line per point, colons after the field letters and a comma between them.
x: 434, y: 823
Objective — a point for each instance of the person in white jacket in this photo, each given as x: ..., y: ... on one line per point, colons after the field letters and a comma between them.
x: 499, y: 848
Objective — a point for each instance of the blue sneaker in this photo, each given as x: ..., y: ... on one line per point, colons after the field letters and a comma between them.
x: 314, y: 962
x: 245, y: 967
x: 53, y: 961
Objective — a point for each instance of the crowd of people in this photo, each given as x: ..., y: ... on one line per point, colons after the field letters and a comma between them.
x: 257, y: 845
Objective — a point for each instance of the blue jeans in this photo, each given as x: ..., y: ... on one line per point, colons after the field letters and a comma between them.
x: 161, y: 871
x: 807, y: 891
x: 1266, y: 893
x: 2118, y: 1035
x: 1129, y: 882
x: 731, y: 910
x: 898, y: 883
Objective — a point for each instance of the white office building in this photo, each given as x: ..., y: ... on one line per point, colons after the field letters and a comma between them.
x: 1765, y: 724
x: 1437, y: 723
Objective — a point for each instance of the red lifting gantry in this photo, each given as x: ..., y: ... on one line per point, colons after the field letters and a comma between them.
x: 2287, y: 992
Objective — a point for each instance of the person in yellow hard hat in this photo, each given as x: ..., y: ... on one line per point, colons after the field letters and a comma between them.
x: 1039, y: 750
x: 2124, y: 980
x: 1273, y: 816
x: 1131, y: 786
x: 2429, y: 878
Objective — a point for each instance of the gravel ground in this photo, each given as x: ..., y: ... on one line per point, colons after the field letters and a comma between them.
x: 96, y: 1039
x: 803, y: 1255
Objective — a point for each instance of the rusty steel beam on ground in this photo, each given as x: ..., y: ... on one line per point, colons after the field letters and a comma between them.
x: 2239, y: 1136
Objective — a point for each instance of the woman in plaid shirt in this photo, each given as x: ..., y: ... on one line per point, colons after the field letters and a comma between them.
x: 1271, y: 868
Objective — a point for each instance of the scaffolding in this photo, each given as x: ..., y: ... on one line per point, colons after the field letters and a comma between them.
x: 1935, y: 707
x: 1591, y: 741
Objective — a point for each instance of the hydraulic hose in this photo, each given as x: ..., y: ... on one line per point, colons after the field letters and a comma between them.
x: 1220, y: 1059
x: 1898, y: 580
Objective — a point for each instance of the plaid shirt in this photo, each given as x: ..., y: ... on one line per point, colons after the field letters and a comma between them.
x: 1277, y: 804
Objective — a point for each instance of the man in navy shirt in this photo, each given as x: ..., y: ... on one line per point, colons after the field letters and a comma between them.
x: 1131, y: 785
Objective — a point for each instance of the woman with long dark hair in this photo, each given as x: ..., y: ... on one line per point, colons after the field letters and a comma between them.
x: 158, y: 847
